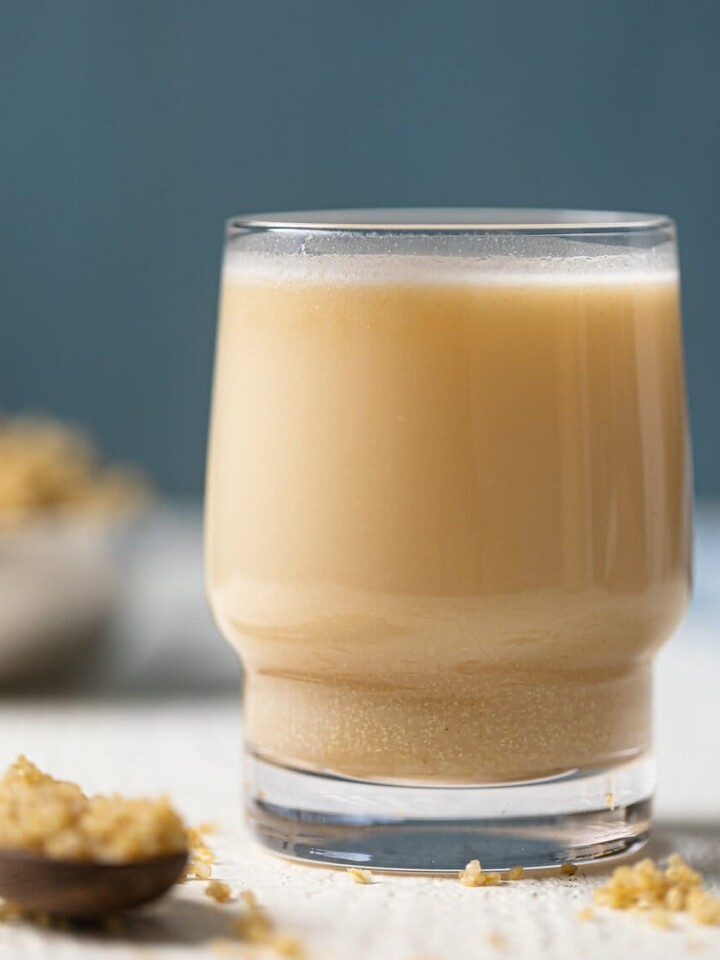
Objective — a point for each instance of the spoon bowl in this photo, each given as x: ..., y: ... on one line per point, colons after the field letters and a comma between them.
x: 84, y: 889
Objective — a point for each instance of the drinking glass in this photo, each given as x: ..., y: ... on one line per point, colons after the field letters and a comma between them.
x: 448, y: 526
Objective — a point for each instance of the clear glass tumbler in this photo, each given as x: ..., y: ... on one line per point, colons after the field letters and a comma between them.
x: 448, y: 524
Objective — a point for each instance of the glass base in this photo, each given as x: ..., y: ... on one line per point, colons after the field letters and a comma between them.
x: 326, y: 819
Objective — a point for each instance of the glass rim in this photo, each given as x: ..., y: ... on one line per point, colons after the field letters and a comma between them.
x: 453, y: 220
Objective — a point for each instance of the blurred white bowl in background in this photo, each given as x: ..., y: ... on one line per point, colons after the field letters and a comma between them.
x: 58, y: 583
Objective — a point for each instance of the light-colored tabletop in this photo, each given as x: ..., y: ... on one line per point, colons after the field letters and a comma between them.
x: 189, y: 747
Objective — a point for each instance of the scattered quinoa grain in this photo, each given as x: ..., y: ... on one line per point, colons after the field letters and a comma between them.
x: 249, y: 899
x: 676, y: 898
x: 360, y: 876
x: 218, y: 891
x: 568, y: 869
x: 658, y: 892
x: 586, y: 913
x: 496, y: 940
x: 516, y: 873
x: 659, y: 918
x: 203, y: 871
x: 201, y: 856
x: 492, y: 878
x: 207, y: 826
x: 288, y: 946
x: 703, y: 908
x: 472, y: 875
x: 255, y: 927
x: 679, y: 872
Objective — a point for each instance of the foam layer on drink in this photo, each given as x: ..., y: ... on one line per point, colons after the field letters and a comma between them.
x: 620, y: 267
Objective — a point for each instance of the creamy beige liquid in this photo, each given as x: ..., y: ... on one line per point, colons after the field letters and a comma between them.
x: 447, y: 519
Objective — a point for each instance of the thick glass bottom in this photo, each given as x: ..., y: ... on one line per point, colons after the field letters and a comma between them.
x: 326, y: 819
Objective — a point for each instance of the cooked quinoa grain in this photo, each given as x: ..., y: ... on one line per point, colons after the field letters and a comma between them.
x: 218, y: 891
x: 254, y: 927
x: 249, y: 899
x: 497, y: 940
x: 472, y: 875
x: 647, y: 887
x: 199, y: 866
x: 288, y: 946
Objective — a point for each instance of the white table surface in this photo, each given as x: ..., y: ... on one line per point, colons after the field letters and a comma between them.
x: 189, y: 747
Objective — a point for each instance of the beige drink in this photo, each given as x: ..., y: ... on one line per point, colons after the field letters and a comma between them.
x: 447, y: 512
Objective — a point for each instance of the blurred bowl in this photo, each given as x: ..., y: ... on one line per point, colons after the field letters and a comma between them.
x: 58, y: 584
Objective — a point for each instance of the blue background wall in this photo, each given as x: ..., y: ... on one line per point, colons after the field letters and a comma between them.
x: 129, y: 129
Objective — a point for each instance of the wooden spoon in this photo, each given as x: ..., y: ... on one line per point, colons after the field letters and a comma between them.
x: 84, y: 889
